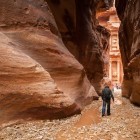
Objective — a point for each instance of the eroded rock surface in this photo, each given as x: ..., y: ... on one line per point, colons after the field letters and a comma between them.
x: 26, y: 87
x: 129, y: 35
x: 82, y: 35
x: 39, y: 77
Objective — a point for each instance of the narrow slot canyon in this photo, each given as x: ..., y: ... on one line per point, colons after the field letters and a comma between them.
x: 56, y: 57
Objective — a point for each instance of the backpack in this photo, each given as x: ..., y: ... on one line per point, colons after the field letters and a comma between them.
x: 107, y: 94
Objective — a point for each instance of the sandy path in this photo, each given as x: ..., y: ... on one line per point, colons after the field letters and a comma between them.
x: 123, y: 124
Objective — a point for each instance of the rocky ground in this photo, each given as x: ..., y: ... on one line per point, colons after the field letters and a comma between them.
x: 123, y: 124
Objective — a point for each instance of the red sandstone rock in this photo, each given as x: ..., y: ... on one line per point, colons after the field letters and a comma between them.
x: 129, y: 36
x: 78, y: 26
x: 39, y: 77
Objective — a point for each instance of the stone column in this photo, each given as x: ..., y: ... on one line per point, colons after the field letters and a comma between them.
x: 110, y: 41
x: 117, y: 42
x: 121, y: 68
x: 110, y: 70
x: 118, y: 71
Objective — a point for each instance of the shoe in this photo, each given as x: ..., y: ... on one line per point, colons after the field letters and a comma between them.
x: 108, y: 114
x: 103, y: 115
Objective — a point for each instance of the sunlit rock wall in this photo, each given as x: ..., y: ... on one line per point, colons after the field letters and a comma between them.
x: 129, y: 35
x: 39, y: 77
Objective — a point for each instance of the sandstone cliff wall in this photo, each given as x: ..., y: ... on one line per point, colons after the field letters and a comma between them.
x: 84, y: 38
x: 129, y: 35
x: 39, y: 77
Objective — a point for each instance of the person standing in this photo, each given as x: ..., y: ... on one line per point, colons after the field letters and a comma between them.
x: 106, y: 97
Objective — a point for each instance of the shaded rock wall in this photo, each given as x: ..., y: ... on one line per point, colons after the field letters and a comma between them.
x: 88, y: 42
x: 39, y: 77
x: 76, y: 20
x: 129, y: 35
x: 104, y: 36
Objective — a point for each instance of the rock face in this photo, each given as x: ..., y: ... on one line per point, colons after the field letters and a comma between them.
x: 88, y: 42
x: 104, y: 36
x: 129, y: 35
x: 25, y: 84
x: 39, y: 77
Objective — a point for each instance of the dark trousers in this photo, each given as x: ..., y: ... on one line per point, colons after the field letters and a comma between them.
x: 106, y: 103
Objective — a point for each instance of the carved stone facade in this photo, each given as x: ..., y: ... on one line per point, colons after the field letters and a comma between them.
x: 110, y: 20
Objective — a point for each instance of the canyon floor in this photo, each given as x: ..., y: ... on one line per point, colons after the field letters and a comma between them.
x: 123, y: 124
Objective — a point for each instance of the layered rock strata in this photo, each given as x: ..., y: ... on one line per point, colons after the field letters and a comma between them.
x: 129, y: 36
x: 82, y: 35
x: 39, y: 77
